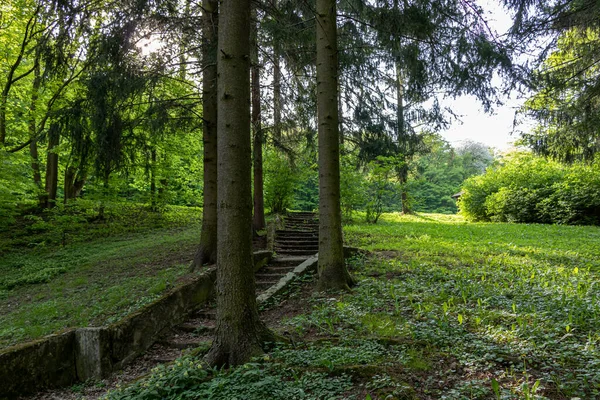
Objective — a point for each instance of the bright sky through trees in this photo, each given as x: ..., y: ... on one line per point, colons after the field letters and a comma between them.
x: 492, y: 129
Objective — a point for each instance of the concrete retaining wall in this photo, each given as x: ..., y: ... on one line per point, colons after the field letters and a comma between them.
x: 93, y: 353
x: 47, y: 362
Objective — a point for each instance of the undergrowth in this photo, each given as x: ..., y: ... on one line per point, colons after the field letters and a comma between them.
x: 443, y: 310
x: 104, y: 272
x: 259, y: 380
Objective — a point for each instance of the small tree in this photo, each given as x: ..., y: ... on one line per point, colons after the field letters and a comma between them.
x: 383, y: 188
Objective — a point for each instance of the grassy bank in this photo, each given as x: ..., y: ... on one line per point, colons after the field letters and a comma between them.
x: 443, y: 310
x: 103, y: 272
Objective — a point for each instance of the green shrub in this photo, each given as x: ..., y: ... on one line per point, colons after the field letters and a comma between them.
x: 576, y: 199
x: 352, y: 186
x: 530, y: 189
x: 383, y: 189
x: 15, y: 185
x: 280, y: 182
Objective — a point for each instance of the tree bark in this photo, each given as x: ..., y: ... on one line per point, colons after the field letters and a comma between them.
x: 207, y: 250
x: 11, y: 79
x: 153, y: 205
x: 402, y: 140
x: 74, y: 181
x: 332, y: 269
x: 52, y: 169
x: 239, y: 333
x: 258, y: 222
x: 69, y: 184
x: 33, y: 149
x: 276, y: 91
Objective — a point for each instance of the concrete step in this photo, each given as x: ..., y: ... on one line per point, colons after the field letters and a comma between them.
x: 306, y: 252
x: 302, y: 214
x: 195, y: 328
x: 297, y: 245
x: 279, y: 272
x: 270, y: 281
x: 268, y: 276
x: 182, y: 343
x: 307, y: 222
x: 290, y: 238
x: 287, y: 260
x: 302, y: 238
x: 210, y: 314
x: 295, y: 232
x: 299, y: 242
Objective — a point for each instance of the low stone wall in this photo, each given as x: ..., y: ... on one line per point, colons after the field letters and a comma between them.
x: 93, y: 353
x: 47, y: 362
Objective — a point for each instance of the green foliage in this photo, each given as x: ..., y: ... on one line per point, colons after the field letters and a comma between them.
x: 187, y: 379
x: 439, y: 174
x: 516, y: 303
x: 382, y: 188
x: 280, y: 181
x: 13, y: 187
x: 329, y: 355
x: 526, y: 188
x: 352, y: 185
x: 82, y: 220
x: 92, y: 280
x: 566, y: 102
x: 306, y: 190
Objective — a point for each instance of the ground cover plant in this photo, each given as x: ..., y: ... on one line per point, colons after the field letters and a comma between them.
x: 105, y: 270
x: 444, y: 309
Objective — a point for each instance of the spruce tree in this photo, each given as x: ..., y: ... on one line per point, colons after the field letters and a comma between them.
x: 332, y: 268
x: 239, y: 333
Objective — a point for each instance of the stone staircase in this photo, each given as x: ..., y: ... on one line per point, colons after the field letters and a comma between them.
x: 292, y: 245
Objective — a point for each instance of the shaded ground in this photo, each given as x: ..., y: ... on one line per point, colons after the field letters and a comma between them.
x: 98, y: 283
x: 443, y: 310
x: 289, y: 304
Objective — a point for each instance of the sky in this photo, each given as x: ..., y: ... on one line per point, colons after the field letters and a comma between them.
x: 493, y: 129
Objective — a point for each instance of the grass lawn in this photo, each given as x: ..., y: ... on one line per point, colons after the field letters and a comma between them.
x: 444, y: 310
x: 96, y: 278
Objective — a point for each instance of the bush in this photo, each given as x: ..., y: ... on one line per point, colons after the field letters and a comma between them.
x: 383, y: 190
x: 530, y: 189
x: 576, y: 199
x: 15, y: 185
x: 280, y: 182
x: 352, y: 186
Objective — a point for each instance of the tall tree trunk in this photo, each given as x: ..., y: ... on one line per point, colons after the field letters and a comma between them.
x: 11, y: 78
x: 52, y: 169
x: 207, y: 250
x: 35, y: 163
x: 239, y: 333
x: 69, y: 184
x: 332, y: 269
x: 153, y: 205
x: 79, y: 182
x: 258, y: 222
x: 402, y: 139
x: 33, y: 149
x: 74, y: 180
x: 276, y: 91
x: 341, y: 115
